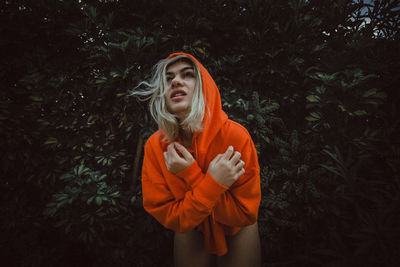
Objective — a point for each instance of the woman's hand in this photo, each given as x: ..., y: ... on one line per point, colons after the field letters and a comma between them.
x: 176, y: 163
x: 227, y: 168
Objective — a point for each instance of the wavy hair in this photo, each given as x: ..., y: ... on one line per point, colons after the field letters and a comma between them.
x: 155, y: 92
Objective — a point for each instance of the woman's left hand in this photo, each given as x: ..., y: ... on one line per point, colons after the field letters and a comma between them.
x: 176, y: 163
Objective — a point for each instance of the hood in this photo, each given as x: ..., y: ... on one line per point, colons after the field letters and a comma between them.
x: 214, y: 116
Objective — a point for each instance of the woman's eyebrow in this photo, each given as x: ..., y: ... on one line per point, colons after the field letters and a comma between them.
x: 181, y: 70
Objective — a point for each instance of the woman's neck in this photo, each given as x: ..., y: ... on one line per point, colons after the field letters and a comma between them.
x: 186, y: 137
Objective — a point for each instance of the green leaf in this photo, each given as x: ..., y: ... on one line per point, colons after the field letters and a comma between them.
x: 36, y: 98
x: 99, y: 200
x: 325, y: 77
x: 332, y: 169
x: 319, y: 47
x: 51, y: 140
x: 314, y: 116
x: 124, y: 45
x: 374, y: 93
x: 370, y: 92
x: 103, y: 48
x: 90, y: 200
x: 360, y: 112
x: 115, y: 74
x: 101, y: 79
x: 66, y: 176
x: 114, y: 194
x: 320, y: 89
x: 196, y: 43
x: 60, y: 197
x: 80, y: 169
x: 313, y: 98
x: 372, y: 101
x: 200, y: 50
x: 309, y: 118
x: 93, y: 12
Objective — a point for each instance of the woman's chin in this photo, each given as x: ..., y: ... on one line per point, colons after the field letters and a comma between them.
x: 179, y: 110
x: 181, y: 115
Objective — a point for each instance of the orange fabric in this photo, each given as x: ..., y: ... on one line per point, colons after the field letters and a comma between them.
x: 192, y: 199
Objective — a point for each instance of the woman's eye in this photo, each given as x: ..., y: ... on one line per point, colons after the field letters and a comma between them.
x: 189, y: 74
x: 169, y: 79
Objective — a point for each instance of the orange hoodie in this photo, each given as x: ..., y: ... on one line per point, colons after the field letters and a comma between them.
x: 192, y: 199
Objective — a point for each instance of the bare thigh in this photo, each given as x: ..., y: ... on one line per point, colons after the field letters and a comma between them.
x: 189, y: 250
x: 244, y: 249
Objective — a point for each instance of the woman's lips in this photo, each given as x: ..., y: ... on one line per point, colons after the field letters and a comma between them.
x: 178, y: 95
x: 177, y: 98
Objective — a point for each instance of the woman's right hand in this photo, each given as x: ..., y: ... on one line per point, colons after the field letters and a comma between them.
x: 227, y: 168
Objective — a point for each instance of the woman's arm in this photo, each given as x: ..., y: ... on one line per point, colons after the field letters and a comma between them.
x: 239, y: 205
x: 179, y: 215
x: 184, y: 214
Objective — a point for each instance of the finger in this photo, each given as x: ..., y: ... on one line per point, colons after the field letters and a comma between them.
x: 168, y: 154
x: 235, y: 158
x: 240, y: 165
x: 183, y: 151
x: 228, y: 153
x: 169, y: 151
x: 240, y: 173
x: 173, y: 152
x: 217, y: 158
x: 165, y: 157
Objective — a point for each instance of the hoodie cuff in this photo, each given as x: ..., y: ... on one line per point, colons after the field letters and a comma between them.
x: 191, y: 174
x: 208, y: 191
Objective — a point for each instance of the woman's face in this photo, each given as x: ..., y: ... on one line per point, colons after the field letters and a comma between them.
x: 181, y: 81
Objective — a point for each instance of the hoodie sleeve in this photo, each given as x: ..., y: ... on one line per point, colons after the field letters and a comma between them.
x: 192, y: 175
x: 239, y: 205
x: 178, y: 215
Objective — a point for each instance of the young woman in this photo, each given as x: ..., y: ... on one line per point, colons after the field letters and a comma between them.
x: 200, y: 175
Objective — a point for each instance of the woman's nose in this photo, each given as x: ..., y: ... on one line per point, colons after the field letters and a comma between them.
x: 176, y: 81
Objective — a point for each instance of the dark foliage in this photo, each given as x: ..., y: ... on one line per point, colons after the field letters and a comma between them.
x: 315, y: 82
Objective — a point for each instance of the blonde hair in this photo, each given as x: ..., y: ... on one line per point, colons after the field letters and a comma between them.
x: 156, y: 90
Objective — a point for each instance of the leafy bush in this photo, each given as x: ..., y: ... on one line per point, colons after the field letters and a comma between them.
x: 315, y: 82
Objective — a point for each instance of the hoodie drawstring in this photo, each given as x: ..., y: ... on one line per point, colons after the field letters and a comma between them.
x: 212, y: 216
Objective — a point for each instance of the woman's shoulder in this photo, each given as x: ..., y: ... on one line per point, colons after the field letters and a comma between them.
x: 235, y: 132
x: 155, y: 140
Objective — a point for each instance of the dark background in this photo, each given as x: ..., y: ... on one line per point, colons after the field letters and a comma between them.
x: 315, y: 83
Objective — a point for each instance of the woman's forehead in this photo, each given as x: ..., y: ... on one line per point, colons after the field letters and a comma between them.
x: 178, y: 66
